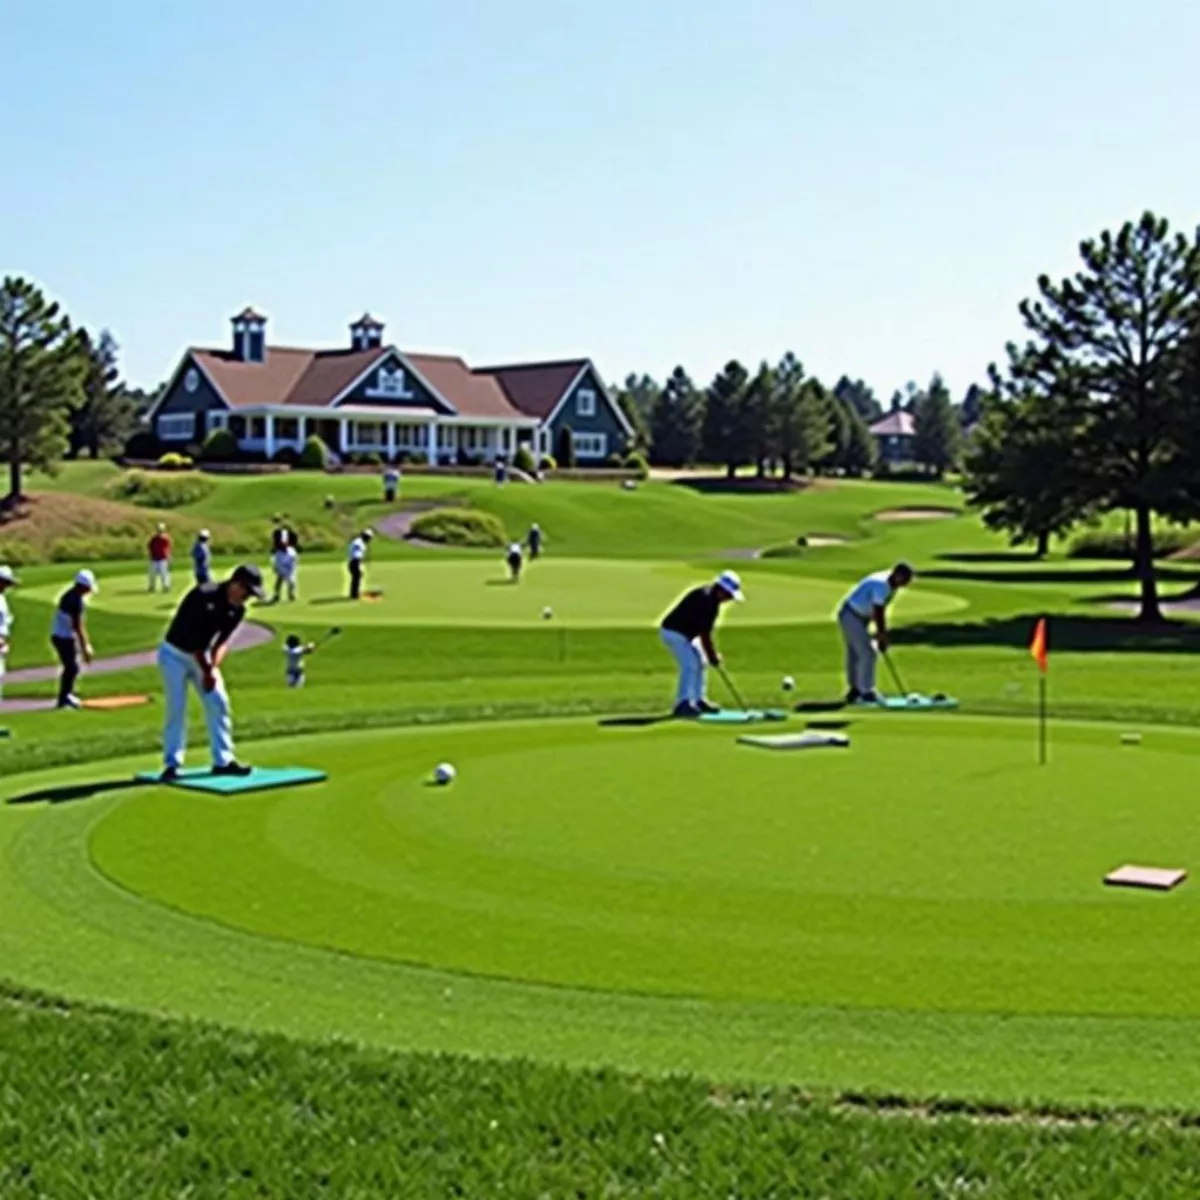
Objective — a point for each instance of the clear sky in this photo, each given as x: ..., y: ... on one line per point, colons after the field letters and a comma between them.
x: 873, y: 185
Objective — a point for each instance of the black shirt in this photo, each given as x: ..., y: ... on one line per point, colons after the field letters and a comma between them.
x: 695, y: 614
x: 282, y: 537
x: 205, y: 615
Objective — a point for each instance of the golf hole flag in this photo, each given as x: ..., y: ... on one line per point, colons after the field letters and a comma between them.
x: 1039, y: 652
x: 1037, y: 647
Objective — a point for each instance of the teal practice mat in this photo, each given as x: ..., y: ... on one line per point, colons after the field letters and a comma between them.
x: 738, y: 716
x: 200, y: 779
x: 913, y: 702
x: 796, y: 741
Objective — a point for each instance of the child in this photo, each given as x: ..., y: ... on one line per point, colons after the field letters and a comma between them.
x: 296, y: 652
x: 284, y: 561
x: 514, y: 561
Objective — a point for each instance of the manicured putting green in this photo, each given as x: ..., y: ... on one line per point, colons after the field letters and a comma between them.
x: 579, y: 592
x: 261, y: 779
x: 932, y: 866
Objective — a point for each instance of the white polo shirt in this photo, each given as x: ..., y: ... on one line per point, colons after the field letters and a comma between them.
x: 869, y: 594
x: 6, y: 620
x: 358, y: 550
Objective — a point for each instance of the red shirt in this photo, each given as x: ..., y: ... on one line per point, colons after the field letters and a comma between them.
x: 160, y: 547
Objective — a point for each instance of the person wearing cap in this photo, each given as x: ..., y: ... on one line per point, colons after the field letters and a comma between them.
x: 687, y: 632
x: 516, y: 560
x: 867, y: 603
x: 356, y: 558
x: 68, y: 635
x: 391, y: 483
x: 7, y: 580
x: 191, y: 653
x: 159, y: 550
x: 202, y: 557
x: 534, y: 541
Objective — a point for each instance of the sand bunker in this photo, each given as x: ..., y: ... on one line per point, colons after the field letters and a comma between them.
x: 916, y: 514
x: 823, y: 539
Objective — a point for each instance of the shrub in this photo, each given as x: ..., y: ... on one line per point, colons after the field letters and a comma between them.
x: 1113, y: 544
x: 287, y: 456
x: 175, y: 462
x: 523, y: 460
x: 370, y: 459
x: 614, y: 460
x: 315, y: 455
x: 418, y: 458
x: 220, y: 447
x: 159, y: 491
x: 787, y: 550
x: 460, y: 527
x: 635, y: 460
x: 564, y: 448
x: 548, y: 463
x: 144, y: 446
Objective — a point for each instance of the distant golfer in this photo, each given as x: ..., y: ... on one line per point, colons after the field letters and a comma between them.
x: 356, y: 561
x: 687, y: 631
x: 534, y: 541
x: 191, y: 653
x: 286, y: 564
x: 68, y: 635
x: 391, y: 483
x: 866, y: 603
x: 202, y: 557
x: 283, y: 535
x: 7, y: 580
x: 159, y: 550
x: 295, y: 652
x: 515, y: 560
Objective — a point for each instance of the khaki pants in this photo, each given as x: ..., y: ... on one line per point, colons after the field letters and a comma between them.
x: 860, y: 650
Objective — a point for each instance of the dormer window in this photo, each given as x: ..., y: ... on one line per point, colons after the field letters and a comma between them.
x: 585, y: 403
x: 390, y: 384
x: 250, y: 336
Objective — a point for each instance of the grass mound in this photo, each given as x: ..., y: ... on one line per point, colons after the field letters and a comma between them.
x: 460, y: 527
x: 167, y: 490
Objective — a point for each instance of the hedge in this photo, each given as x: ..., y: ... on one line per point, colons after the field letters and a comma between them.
x: 460, y: 527
x: 172, y: 489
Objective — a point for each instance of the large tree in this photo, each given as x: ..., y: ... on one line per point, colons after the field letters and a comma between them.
x: 860, y: 397
x: 758, y: 406
x: 1108, y: 348
x: 636, y: 398
x: 937, y: 430
x: 107, y: 413
x: 676, y: 422
x: 42, y: 367
x: 800, y: 422
x: 727, y: 433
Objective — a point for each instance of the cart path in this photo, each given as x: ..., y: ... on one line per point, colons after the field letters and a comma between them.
x: 248, y: 635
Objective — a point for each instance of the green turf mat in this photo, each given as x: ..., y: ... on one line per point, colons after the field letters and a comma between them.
x: 914, y: 702
x: 738, y: 716
x: 200, y: 779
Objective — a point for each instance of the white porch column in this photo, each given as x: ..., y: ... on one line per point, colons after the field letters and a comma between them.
x: 431, y: 442
x: 391, y: 440
x: 269, y: 435
x: 343, y: 437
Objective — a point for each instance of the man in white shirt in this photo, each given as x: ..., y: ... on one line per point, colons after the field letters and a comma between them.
x: 356, y: 561
x: 866, y: 603
x: 7, y: 580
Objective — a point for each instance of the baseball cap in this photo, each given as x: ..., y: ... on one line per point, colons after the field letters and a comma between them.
x: 204, y: 535
x: 88, y: 580
x: 250, y: 577
x: 729, y: 582
x: 8, y: 575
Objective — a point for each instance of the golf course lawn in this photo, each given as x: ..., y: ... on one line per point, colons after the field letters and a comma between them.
x: 922, y: 911
x: 477, y: 592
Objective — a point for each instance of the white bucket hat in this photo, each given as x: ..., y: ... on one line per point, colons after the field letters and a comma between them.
x: 88, y: 580
x: 8, y: 575
x: 728, y: 581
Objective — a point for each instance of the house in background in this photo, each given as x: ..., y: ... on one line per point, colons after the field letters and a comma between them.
x: 372, y: 397
x: 893, y: 435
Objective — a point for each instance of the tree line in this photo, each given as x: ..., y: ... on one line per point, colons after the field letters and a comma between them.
x: 779, y: 419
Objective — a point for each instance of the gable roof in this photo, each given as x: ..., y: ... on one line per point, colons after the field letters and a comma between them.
x: 473, y: 393
x: 895, y: 424
x: 536, y: 388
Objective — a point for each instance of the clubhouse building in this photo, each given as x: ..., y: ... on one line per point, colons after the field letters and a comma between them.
x: 372, y: 397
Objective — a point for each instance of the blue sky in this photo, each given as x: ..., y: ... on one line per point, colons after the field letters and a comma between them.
x: 871, y: 185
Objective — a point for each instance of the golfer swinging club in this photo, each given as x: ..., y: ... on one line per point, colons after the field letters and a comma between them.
x: 687, y: 632
x: 866, y: 603
x: 192, y: 652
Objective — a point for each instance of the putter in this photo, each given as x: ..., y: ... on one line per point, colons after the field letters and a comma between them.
x: 887, y: 658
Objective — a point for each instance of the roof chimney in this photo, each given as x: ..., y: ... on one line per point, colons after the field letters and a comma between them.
x: 366, y: 333
x: 250, y: 336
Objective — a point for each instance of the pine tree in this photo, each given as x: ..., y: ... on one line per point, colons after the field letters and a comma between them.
x: 107, y: 414
x: 726, y: 430
x: 801, y: 424
x: 676, y: 422
x: 937, y: 431
x: 859, y: 397
x: 42, y: 367
x: 758, y: 404
x: 636, y: 398
x: 861, y: 452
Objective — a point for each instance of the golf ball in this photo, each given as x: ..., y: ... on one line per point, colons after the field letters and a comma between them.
x: 788, y: 683
x: 444, y: 773
x: 547, y: 613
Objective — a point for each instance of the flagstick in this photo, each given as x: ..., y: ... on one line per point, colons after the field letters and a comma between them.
x: 1042, y: 718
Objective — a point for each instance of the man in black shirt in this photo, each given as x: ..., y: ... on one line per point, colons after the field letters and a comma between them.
x: 191, y: 653
x: 687, y: 632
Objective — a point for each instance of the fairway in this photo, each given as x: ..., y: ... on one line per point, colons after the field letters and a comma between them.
x: 477, y: 592
x: 934, y: 866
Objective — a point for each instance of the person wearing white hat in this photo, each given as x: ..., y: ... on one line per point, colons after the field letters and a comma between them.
x: 68, y: 635
x: 7, y: 580
x: 687, y: 632
x: 356, y: 561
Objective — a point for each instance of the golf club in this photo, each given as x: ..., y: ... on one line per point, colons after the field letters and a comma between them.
x: 325, y: 637
x: 737, y: 699
x: 887, y: 658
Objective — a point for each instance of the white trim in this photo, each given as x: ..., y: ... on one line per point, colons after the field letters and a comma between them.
x: 588, y: 394
x: 381, y: 412
x: 622, y: 420
x: 216, y: 419
x: 383, y: 352
x: 189, y: 357
x: 163, y: 436
x: 600, y: 438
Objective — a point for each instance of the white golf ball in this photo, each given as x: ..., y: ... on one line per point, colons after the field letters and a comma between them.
x: 788, y: 683
x: 547, y: 613
x: 444, y: 773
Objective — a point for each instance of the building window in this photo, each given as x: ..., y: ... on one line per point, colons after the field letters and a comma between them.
x: 257, y: 429
x: 585, y: 403
x: 179, y: 427
x: 191, y: 381
x: 287, y: 429
x: 390, y: 384
x: 368, y: 435
x: 218, y: 420
x: 590, y: 445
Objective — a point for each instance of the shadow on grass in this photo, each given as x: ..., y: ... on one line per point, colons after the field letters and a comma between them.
x: 1071, y: 633
x: 332, y: 600
x: 72, y: 792
x: 743, y: 485
x: 633, y: 722
x: 823, y: 706
x: 988, y: 556
x: 1060, y: 575
x: 501, y: 582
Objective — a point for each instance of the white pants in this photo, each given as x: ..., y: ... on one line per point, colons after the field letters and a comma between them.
x: 860, y: 650
x: 178, y: 670
x: 691, y: 662
x: 160, y: 572
x: 3, y: 668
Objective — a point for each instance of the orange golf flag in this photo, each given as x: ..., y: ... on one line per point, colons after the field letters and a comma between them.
x: 1037, y: 647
